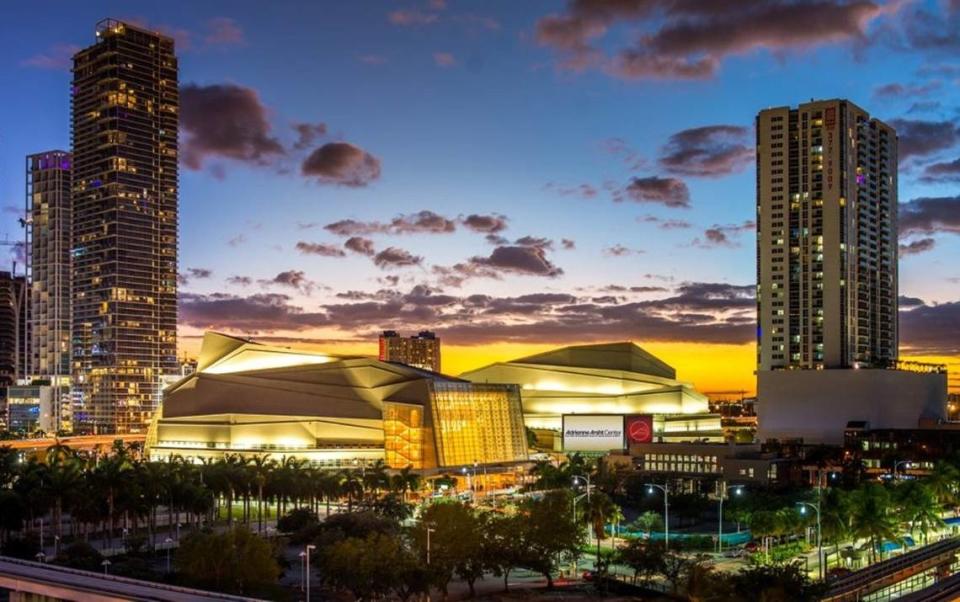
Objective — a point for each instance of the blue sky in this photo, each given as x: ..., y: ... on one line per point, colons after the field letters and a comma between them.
x: 474, y: 108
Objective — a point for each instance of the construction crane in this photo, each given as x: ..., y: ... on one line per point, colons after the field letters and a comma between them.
x: 19, y: 301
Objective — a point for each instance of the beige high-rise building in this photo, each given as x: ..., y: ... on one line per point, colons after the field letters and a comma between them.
x: 826, y: 238
x: 125, y: 119
x: 420, y: 351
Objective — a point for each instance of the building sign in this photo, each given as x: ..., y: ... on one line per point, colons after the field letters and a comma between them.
x: 592, y: 432
x: 639, y: 429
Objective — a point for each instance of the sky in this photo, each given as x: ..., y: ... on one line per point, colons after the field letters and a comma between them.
x: 513, y: 175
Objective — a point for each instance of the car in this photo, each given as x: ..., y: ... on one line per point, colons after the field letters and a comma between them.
x: 837, y: 572
x: 751, y: 547
x: 733, y: 553
x: 588, y: 575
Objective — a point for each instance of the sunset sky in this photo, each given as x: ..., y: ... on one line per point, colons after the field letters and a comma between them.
x: 513, y: 175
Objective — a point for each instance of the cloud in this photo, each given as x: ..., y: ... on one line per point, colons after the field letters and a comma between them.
x: 585, y: 191
x: 929, y: 215
x: 529, y: 260
x: 343, y: 164
x: 358, y: 244
x: 485, y: 224
x: 539, y: 242
x: 393, y: 257
x: 619, y: 250
x: 920, y: 138
x: 931, y: 329
x: 58, y: 57
x: 240, y: 280
x: 898, y: 91
x: 422, y: 222
x: 237, y: 240
x: 225, y: 121
x: 224, y: 31
x: 322, y: 249
x: 308, y: 133
x: 665, y: 224
x: 723, y: 235
x: 654, y: 189
x: 909, y: 302
x: 444, y: 59
x: 410, y: 18
x: 260, y: 312
x: 946, y: 171
x: 709, y: 151
x: 689, y: 39
x: 295, y: 279
x: 568, y: 244
x: 921, y: 245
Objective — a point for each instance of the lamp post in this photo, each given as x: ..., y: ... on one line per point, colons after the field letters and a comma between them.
x: 803, y: 510
x: 56, y: 545
x: 303, y: 569
x: 429, y: 531
x: 586, y: 478
x: 169, y: 544
x: 666, y: 511
x: 106, y: 565
x: 309, y: 547
x: 573, y: 510
x: 722, y: 487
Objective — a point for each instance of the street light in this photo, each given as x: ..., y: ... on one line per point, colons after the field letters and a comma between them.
x: 429, y: 531
x: 106, y: 565
x: 41, y: 557
x: 803, y: 510
x: 309, y: 547
x: 666, y: 511
x: 169, y: 543
x: 573, y: 509
x: 303, y: 568
x: 722, y: 487
x: 587, y: 479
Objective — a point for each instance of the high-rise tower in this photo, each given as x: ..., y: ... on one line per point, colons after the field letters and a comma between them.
x: 420, y: 351
x: 125, y: 113
x: 826, y: 237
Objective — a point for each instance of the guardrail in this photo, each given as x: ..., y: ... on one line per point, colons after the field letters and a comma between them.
x: 891, y: 566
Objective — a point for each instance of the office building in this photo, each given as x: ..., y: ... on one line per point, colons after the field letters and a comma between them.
x: 826, y: 237
x: 420, y: 351
x: 125, y: 115
x: 49, y: 230
x: 601, y: 388
x: 33, y: 408
x: 334, y: 411
x: 13, y: 328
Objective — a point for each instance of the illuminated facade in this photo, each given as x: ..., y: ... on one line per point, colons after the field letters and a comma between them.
x: 125, y: 102
x: 604, y: 379
x: 334, y: 411
x: 826, y: 238
x: 419, y: 351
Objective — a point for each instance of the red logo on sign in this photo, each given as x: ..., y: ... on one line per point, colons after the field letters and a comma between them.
x: 640, y: 429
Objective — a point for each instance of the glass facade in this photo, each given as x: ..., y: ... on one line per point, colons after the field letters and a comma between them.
x: 125, y: 102
x: 403, y: 435
x: 477, y: 423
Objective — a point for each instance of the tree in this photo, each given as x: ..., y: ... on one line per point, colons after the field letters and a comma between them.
x: 297, y: 519
x: 871, y: 517
x: 549, y: 532
x: 235, y: 561
x: 369, y: 568
x: 775, y: 583
x: 943, y: 480
x: 600, y: 510
x: 647, y: 522
x: 918, y: 507
x: 504, y: 548
x: 644, y: 557
x: 456, y: 542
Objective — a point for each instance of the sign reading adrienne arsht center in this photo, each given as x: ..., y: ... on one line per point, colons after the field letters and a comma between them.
x: 592, y: 432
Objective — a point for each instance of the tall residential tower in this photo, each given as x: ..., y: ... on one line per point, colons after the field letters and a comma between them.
x: 420, y: 351
x: 826, y: 238
x: 125, y: 108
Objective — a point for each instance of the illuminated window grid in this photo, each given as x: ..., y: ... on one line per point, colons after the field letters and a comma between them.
x: 476, y: 423
x: 682, y: 463
x: 403, y: 435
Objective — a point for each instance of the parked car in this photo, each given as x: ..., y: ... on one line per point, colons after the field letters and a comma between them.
x: 751, y: 547
x: 588, y: 575
x: 837, y: 572
x: 733, y: 552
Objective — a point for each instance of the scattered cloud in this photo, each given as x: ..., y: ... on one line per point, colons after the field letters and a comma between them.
x: 618, y: 250
x: 411, y: 18
x: 654, y: 189
x: 295, y: 279
x: 920, y: 138
x: 224, y: 31
x: 585, y: 191
x: 308, y: 133
x: 444, y: 59
x: 568, y: 244
x: 237, y: 240
x: 903, y: 91
x: 321, y: 249
x: 58, y: 57
x: 921, y: 245
x: 709, y: 151
x: 485, y: 224
x: 929, y: 215
x: 342, y: 164
x: 691, y: 39
x: 530, y: 260
x: 422, y: 222
x: 225, y: 121
x: 240, y: 280
x: 393, y: 257
x: 665, y: 224
x: 723, y: 235
x: 264, y: 312
x: 945, y: 171
x: 358, y: 244
x: 931, y: 329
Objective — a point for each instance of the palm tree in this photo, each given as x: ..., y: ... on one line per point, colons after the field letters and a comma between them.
x: 836, y: 510
x: 871, y: 517
x: 261, y: 466
x: 918, y: 507
x: 600, y: 510
x: 62, y: 478
x: 110, y: 475
x: 405, y: 481
x: 943, y: 481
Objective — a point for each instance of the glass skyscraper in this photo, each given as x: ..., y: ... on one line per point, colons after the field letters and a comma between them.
x: 125, y: 103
